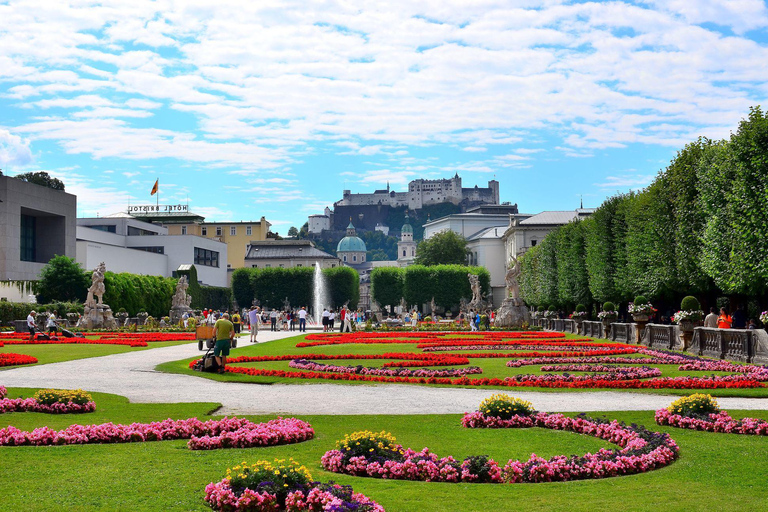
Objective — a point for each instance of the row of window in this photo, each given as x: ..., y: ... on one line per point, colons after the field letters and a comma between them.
x: 282, y: 265
x: 206, y: 257
x: 220, y: 230
x: 354, y: 258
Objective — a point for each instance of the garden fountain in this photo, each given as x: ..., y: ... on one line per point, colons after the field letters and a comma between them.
x: 320, y: 295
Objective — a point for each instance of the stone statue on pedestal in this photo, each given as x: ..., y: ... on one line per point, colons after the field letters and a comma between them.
x: 477, y: 303
x: 181, y: 301
x: 512, y: 312
x: 96, y: 314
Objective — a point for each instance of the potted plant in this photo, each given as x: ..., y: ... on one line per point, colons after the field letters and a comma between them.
x: 641, y: 310
x: 608, y: 315
x: 579, y: 315
x: 687, y: 318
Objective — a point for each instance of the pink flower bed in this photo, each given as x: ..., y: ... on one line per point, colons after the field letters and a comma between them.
x: 720, y: 422
x: 641, y: 451
x: 208, y: 435
x: 32, y: 405
x: 3, y: 391
x: 305, y: 364
x: 220, y: 496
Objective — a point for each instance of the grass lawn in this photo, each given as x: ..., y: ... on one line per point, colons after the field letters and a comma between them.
x: 715, y: 471
x: 58, y: 353
x: 492, y: 367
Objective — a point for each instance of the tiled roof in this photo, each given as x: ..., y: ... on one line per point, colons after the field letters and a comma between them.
x: 285, y: 251
x: 556, y: 217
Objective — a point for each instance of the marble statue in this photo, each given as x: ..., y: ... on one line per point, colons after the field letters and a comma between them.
x: 510, y: 279
x: 513, y: 312
x: 181, y: 301
x: 96, y: 314
x: 97, y: 288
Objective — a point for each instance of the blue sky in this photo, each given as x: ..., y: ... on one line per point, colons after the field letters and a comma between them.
x: 273, y: 108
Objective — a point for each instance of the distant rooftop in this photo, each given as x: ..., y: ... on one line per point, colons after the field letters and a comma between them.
x: 557, y: 217
x: 285, y: 249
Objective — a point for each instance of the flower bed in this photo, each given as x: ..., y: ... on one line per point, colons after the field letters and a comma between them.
x: 50, y: 401
x: 130, y: 339
x: 209, y: 435
x: 640, y: 450
x: 700, y: 412
x: 11, y: 359
x: 282, y: 485
x: 304, y: 364
x: 3, y: 391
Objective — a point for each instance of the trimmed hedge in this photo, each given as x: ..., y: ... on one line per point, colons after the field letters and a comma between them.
x: 271, y: 286
x: 387, y: 285
x: 10, y: 311
x: 216, y: 297
x: 448, y: 284
x: 135, y: 293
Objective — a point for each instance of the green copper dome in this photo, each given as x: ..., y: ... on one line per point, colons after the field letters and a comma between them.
x: 351, y: 244
x: 407, y: 226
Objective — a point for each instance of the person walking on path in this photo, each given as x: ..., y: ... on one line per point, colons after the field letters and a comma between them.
x: 31, y: 324
x: 303, y: 319
x: 224, y: 332
x: 710, y: 321
x: 236, y: 322
x: 253, y: 318
x: 724, y: 321
x: 331, y: 319
x: 273, y: 320
x: 347, y: 319
x: 325, y: 320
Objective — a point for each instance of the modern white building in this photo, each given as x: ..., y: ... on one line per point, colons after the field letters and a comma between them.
x: 474, y: 220
x: 127, y: 244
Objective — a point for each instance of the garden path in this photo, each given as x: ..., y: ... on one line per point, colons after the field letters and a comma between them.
x: 133, y: 375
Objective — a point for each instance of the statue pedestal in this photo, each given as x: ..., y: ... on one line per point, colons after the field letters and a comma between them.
x: 97, y: 317
x: 177, y: 312
x: 512, y: 313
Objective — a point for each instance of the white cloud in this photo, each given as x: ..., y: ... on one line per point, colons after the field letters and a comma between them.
x: 13, y: 150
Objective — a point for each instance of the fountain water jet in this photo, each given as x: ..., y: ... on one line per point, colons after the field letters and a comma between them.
x: 320, y: 294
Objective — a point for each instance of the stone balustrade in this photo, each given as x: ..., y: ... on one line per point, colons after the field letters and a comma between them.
x: 734, y: 344
x: 623, y: 332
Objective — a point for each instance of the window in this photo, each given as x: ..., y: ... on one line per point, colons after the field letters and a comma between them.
x: 156, y: 250
x: 354, y: 258
x: 133, y: 231
x: 248, y: 230
x: 206, y: 257
x: 268, y: 265
x: 345, y: 258
x: 28, y: 232
x: 298, y: 264
x: 533, y: 243
x: 403, y: 253
x: 413, y: 252
x: 254, y: 266
x: 282, y: 265
x: 204, y: 231
x: 183, y: 230
x: 109, y: 229
x: 218, y: 231
x: 232, y: 230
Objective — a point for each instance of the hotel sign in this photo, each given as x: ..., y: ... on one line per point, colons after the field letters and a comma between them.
x: 161, y: 208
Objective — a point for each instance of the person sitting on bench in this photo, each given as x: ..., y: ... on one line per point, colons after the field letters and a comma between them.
x: 223, y: 332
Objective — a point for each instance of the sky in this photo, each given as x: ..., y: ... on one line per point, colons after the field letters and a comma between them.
x: 272, y: 108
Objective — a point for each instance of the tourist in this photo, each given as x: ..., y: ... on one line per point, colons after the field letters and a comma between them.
x: 414, y: 320
x: 273, y: 320
x: 740, y: 318
x: 286, y: 320
x: 293, y: 320
x: 471, y: 319
x: 347, y: 319
x: 752, y: 324
x: 331, y: 319
x: 31, y: 324
x: 710, y: 321
x: 303, y: 319
x: 236, y: 322
x: 50, y: 324
x: 224, y: 333
x: 724, y: 321
x: 253, y: 318
x: 325, y: 320
x: 185, y: 319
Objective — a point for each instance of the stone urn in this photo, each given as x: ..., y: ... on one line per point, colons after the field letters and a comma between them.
x: 122, y: 318
x: 686, y: 333
x: 641, y: 319
x: 607, y: 321
x: 142, y: 317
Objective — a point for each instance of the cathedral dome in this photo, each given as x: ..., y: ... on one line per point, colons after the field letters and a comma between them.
x: 351, y: 242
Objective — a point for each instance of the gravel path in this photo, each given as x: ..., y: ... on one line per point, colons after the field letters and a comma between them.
x: 132, y: 375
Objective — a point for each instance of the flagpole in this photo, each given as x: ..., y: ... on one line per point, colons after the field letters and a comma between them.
x: 158, y: 194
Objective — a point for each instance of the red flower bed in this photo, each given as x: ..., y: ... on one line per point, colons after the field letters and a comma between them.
x: 131, y: 339
x: 10, y: 359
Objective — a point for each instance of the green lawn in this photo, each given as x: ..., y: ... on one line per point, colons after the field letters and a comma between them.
x: 715, y: 471
x: 58, y: 353
x: 492, y: 367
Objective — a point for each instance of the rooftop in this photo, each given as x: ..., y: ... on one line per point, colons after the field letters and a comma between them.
x: 557, y: 217
x: 285, y: 249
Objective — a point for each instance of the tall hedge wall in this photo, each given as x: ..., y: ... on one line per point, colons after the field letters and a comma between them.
x: 271, y: 286
x: 448, y: 284
x: 700, y: 228
x: 10, y: 311
x: 134, y: 292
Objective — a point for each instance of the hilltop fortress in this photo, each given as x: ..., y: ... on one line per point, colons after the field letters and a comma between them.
x: 384, y: 208
x: 425, y: 192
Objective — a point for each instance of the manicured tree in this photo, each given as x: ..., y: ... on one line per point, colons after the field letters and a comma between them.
x: 343, y: 286
x: 548, y: 268
x: 529, y: 280
x: 690, y: 303
x: 572, y: 276
x: 62, y: 278
x: 599, y: 257
x: 242, y: 291
x: 418, y: 285
x: 387, y: 285
x: 446, y: 247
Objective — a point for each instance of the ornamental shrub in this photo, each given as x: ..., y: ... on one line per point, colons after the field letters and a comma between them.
x: 609, y: 306
x: 62, y: 396
x: 504, y: 406
x: 371, y: 445
x: 540, y: 309
x: 641, y: 299
x: 551, y: 308
x: 279, y: 477
x: 478, y: 465
x: 690, y: 303
x: 580, y: 308
x: 697, y: 404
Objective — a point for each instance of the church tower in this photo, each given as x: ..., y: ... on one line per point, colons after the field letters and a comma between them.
x: 406, y: 247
